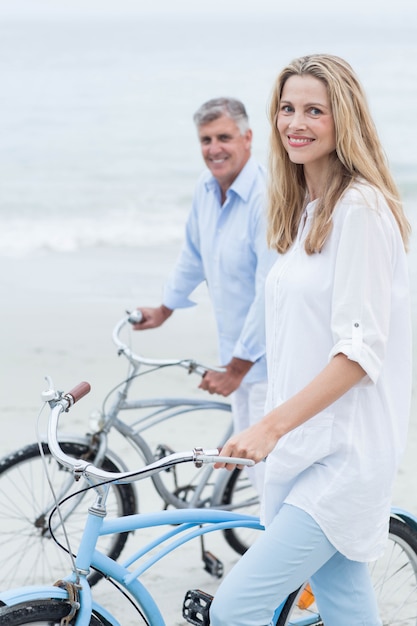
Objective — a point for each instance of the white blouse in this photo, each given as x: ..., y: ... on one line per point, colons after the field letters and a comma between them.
x: 352, y: 298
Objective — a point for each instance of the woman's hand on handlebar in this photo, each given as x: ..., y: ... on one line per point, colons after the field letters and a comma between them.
x: 152, y: 317
x: 255, y: 443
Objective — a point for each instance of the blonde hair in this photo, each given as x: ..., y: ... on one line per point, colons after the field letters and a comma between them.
x: 358, y: 154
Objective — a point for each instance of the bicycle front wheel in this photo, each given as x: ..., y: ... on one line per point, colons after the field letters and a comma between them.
x: 28, y: 554
x: 42, y: 613
x: 394, y: 577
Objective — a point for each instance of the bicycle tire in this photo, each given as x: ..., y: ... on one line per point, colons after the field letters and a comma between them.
x: 394, y: 577
x: 48, y: 612
x: 240, y: 495
x: 28, y: 554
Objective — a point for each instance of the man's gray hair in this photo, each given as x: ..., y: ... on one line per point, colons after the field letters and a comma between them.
x: 215, y: 108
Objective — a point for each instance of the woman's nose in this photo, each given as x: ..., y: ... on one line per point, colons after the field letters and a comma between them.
x: 297, y: 120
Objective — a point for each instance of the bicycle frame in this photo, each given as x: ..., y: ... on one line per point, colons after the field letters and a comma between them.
x: 184, y: 525
x: 188, y: 524
x: 165, y: 409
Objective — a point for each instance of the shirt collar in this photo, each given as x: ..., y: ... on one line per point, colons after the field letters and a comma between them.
x: 242, y: 184
x: 311, y: 206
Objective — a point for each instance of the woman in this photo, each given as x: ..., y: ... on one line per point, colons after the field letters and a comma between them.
x: 339, y: 355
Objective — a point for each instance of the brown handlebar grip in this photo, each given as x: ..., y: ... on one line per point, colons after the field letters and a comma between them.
x: 79, y: 391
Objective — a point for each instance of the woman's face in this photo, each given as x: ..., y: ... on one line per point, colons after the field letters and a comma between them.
x: 305, y: 121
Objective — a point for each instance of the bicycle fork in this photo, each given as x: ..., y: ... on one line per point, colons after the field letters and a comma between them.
x: 76, y: 585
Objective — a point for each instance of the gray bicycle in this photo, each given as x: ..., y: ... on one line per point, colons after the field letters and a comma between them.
x: 28, y: 554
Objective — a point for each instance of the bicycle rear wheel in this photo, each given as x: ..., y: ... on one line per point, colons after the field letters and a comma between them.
x: 46, y: 612
x: 28, y: 554
x: 394, y: 577
x: 240, y: 495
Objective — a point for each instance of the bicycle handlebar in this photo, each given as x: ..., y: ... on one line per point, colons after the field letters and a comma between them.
x: 189, y: 364
x: 62, y: 402
x: 78, y: 392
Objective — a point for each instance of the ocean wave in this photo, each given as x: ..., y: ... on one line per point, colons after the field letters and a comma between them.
x: 22, y: 236
x: 25, y: 236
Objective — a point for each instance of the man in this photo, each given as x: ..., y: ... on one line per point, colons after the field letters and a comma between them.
x: 225, y: 245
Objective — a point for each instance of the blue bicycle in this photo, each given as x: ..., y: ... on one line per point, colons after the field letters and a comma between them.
x: 71, y: 600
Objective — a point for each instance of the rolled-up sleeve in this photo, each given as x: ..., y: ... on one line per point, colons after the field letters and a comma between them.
x: 361, y: 302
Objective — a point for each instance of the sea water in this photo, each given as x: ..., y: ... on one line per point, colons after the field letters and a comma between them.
x: 97, y: 143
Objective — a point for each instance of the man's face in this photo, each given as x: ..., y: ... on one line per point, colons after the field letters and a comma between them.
x: 225, y: 151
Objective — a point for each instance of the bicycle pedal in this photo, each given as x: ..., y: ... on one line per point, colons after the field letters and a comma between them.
x: 195, y: 608
x: 212, y: 564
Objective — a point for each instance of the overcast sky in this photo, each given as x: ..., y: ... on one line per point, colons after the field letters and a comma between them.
x: 202, y: 7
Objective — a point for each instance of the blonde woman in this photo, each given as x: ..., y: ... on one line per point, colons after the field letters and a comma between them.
x: 338, y: 352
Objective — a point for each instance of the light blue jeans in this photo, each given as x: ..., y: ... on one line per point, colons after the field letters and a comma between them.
x: 294, y: 549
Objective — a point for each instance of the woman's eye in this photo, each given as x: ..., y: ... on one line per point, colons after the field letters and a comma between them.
x: 315, y: 111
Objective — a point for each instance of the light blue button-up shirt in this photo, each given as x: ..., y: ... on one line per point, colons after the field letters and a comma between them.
x: 225, y: 245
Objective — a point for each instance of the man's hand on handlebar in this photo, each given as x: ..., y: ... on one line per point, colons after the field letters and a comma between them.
x: 224, y: 383
x: 152, y: 317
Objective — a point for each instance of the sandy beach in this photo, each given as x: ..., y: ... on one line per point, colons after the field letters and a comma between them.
x: 58, y: 314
